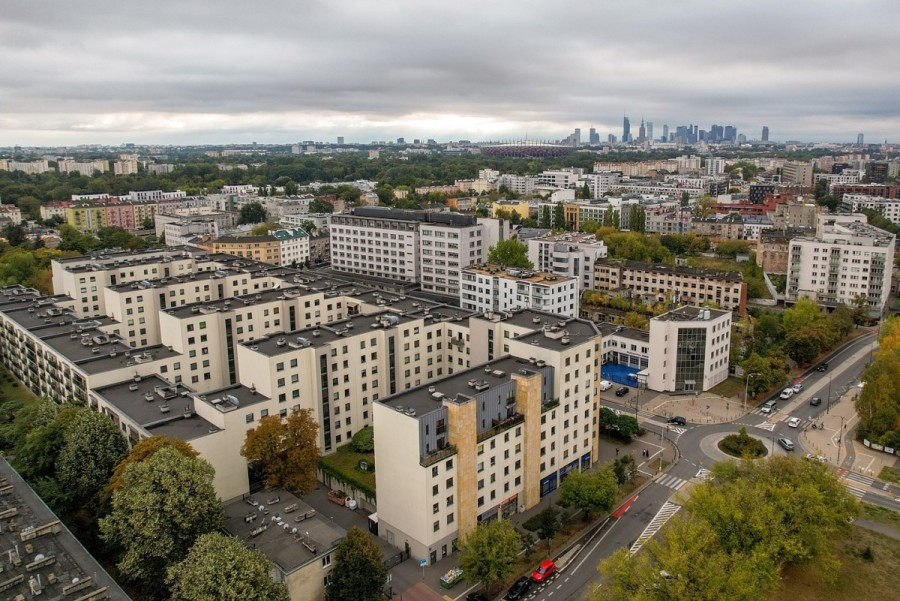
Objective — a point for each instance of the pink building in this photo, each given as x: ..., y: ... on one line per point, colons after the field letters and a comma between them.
x: 120, y: 215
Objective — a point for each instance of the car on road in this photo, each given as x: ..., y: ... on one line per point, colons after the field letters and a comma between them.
x: 677, y: 420
x: 797, y: 387
x: 786, y: 444
x: 815, y: 401
x: 786, y: 393
x: 794, y: 422
x: 544, y: 571
x: 768, y: 407
x: 476, y: 597
x: 822, y: 367
x: 605, y: 384
x: 519, y: 589
x: 622, y: 391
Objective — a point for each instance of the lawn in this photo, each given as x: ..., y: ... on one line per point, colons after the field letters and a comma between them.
x: 857, y: 578
x: 890, y: 474
x: 730, y: 387
x: 12, y: 390
x: 344, y: 463
x: 880, y: 514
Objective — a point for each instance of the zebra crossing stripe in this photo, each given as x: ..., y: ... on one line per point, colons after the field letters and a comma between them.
x: 766, y: 426
x: 662, y: 516
x: 672, y: 482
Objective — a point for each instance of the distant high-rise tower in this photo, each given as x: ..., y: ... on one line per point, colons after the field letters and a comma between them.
x: 642, y: 133
x: 611, y: 139
x: 593, y: 137
x: 860, y: 140
x: 626, y: 130
x: 765, y: 133
x: 730, y: 134
x: 577, y: 137
x: 665, y: 136
x: 649, y: 130
x: 340, y: 140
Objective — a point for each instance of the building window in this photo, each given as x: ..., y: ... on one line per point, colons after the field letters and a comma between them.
x: 249, y: 418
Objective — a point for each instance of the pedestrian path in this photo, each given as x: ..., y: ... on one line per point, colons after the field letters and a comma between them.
x: 659, y: 520
x: 673, y: 482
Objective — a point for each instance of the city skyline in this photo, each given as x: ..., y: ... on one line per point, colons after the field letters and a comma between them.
x: 174, y: 73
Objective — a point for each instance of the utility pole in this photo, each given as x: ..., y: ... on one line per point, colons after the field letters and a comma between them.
x: 746, y: 385
x: 840, y: 441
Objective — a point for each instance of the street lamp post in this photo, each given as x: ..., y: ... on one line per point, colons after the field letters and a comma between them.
x: 746, y: 386
x: 840, y: 441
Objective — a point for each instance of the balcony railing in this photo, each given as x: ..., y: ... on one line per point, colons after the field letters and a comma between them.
x: 437, y: 455
x: 501, y: 425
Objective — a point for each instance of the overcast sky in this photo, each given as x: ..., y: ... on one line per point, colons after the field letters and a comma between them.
x: 280, y: 71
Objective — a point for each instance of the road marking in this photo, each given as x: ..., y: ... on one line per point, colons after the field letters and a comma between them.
x: 672, y: 482
x: 703, y: 474
x: 624, y: 507
x: 662, y: 516
x: 594, y: 548
x: 766, y: 426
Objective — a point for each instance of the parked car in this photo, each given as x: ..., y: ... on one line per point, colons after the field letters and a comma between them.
x: 605, y: 384
x: 786, y: 393
x: 677, y: 420
x: 822, y: 367
x: 794, y: 422
x: 815, y: 401
x: 544, y: 571
x: 786, y: 444
x: 519, y: 589
x: 768, y: 407
x: 622, y: 391
x: 797, y: 387
x: 476, y: 597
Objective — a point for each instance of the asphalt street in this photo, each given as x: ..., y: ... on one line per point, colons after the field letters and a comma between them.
x: 643, y: 516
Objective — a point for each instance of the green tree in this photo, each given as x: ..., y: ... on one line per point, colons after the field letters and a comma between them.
x: 165, y: 504
x: 509, y: 253
x: 490, y: 551
x: 364, y: 440
x: 148, y: 223
x: 634, y: 319
x: 143, y: 451
x: 732, y: 248
x: 290, y: 188
x: 637, y: 218
x: 548, y: 524
x: 805, y: 344
x: 14, y: 234
x: 223, y: 568
x: 591, y: 492
x: 546, y: 220
x: 252, y: 212
x: 287, y: 450
x: 590, y: 226
x: 805, y: 312
x: 91, y: 449
x: 878, y: 404
x: 559, y: 215
x: 585, y: 191
x: 359, y: 572
x: 39, y: 438
x: 320, y: 205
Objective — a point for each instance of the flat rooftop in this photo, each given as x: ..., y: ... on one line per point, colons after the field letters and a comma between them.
x: 54, y: 556
x: 729, y: 276
x: 691, y: 313
x: 521, y: 275
x: 610, y: 329
x: 572, y: 238
x: 422, y: 400
x: 283, y: 527
x: 158, y: 406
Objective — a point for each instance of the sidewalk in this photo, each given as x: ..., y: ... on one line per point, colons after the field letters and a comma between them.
x: 701, y: 408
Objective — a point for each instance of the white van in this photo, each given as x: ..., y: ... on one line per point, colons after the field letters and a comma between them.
x: 769, y: 407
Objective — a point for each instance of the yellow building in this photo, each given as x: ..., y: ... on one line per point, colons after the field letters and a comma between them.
x: 143, y: 211
x: 86, y: 219
x: 522, y: 207
x: 260, y: 248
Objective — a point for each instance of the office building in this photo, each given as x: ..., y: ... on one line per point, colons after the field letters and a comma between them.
x: 689, y: 350
x: 570, y: 254
x: 795, y: 172
x: 626, y: 130
x: 765, y: 133
x: 486, y: 288
x: 846, y: 259
x: 860, y: 140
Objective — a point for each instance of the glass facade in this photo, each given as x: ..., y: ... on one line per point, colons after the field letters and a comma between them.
x: 690, y: 361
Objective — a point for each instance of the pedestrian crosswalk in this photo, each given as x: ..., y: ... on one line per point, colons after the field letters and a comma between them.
x: 703, y: 474
x: 673, y: 482
x: 677, y: 431
x: 859, y: 494
x: 770, y: 426
x: 662, y: 516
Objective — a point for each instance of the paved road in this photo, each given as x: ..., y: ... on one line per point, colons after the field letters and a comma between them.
x: 697, y: 445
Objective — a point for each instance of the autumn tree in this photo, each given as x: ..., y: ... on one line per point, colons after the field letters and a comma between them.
x: 509, y: 253
x: 286, y: 450
x: 359, y: 572
x: 490, y: 551
x: 91, y: 448
x: 591, y: 492
x: 143, y: 451
x: 223, y: 568
x: 805, y: 312
x: 164, y: 505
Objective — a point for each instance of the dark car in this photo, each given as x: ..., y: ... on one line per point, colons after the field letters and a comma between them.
x: 677, y: 420
x: 622, y: 391
x: 822, y: 367
x: 476, y: 597
x: 519, y: 589
x: 815, y: 401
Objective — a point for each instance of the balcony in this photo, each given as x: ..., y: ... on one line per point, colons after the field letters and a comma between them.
x: 437, y: 455
x: 501, y: 425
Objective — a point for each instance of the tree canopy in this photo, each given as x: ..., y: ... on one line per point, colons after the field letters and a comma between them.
x: 91, y: 448
x: 878, y: 405
x: 252, y: 212
x: 164, y: 505
x: 143, y: 451
x: 223, y: 568
x: 286, y: 450
x: 490, y: 551
x: 593, y: 492
x: 509, y: 253
x: 359, y: 572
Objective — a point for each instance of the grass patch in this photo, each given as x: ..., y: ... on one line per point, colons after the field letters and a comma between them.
x: 857, y: 577
x: 729, y: 387
x: 11, y: 391
x: 778, y: 280
x: 756, y: 285
x: 343, y: 464
x: 882, y: 515
x: 890, y: 474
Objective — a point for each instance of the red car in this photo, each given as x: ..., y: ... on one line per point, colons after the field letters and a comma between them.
x: 544, y: 571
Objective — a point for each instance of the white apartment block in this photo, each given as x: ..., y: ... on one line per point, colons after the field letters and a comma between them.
x: 160, y: 168
x: 53, y: 210
x: 490, y: 288
x: 490, y: 439
x: 179, y: 233
x: 86, y: 168
x: 412, y: 246
x: 571, y: 254
x: 599, y: 183
x: 795, y: 172
x: 846, y: 259
x: 563, y: 178
x: 11, y: 214
x: 240, y: 189
x: 28, y: 167
x: 888, y: 207
x: 715, y: 166
x: 294, y: 244
x: 520, y: 184
x: 689, y: 350
x: 125, y: 167
x: 848, y: 176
